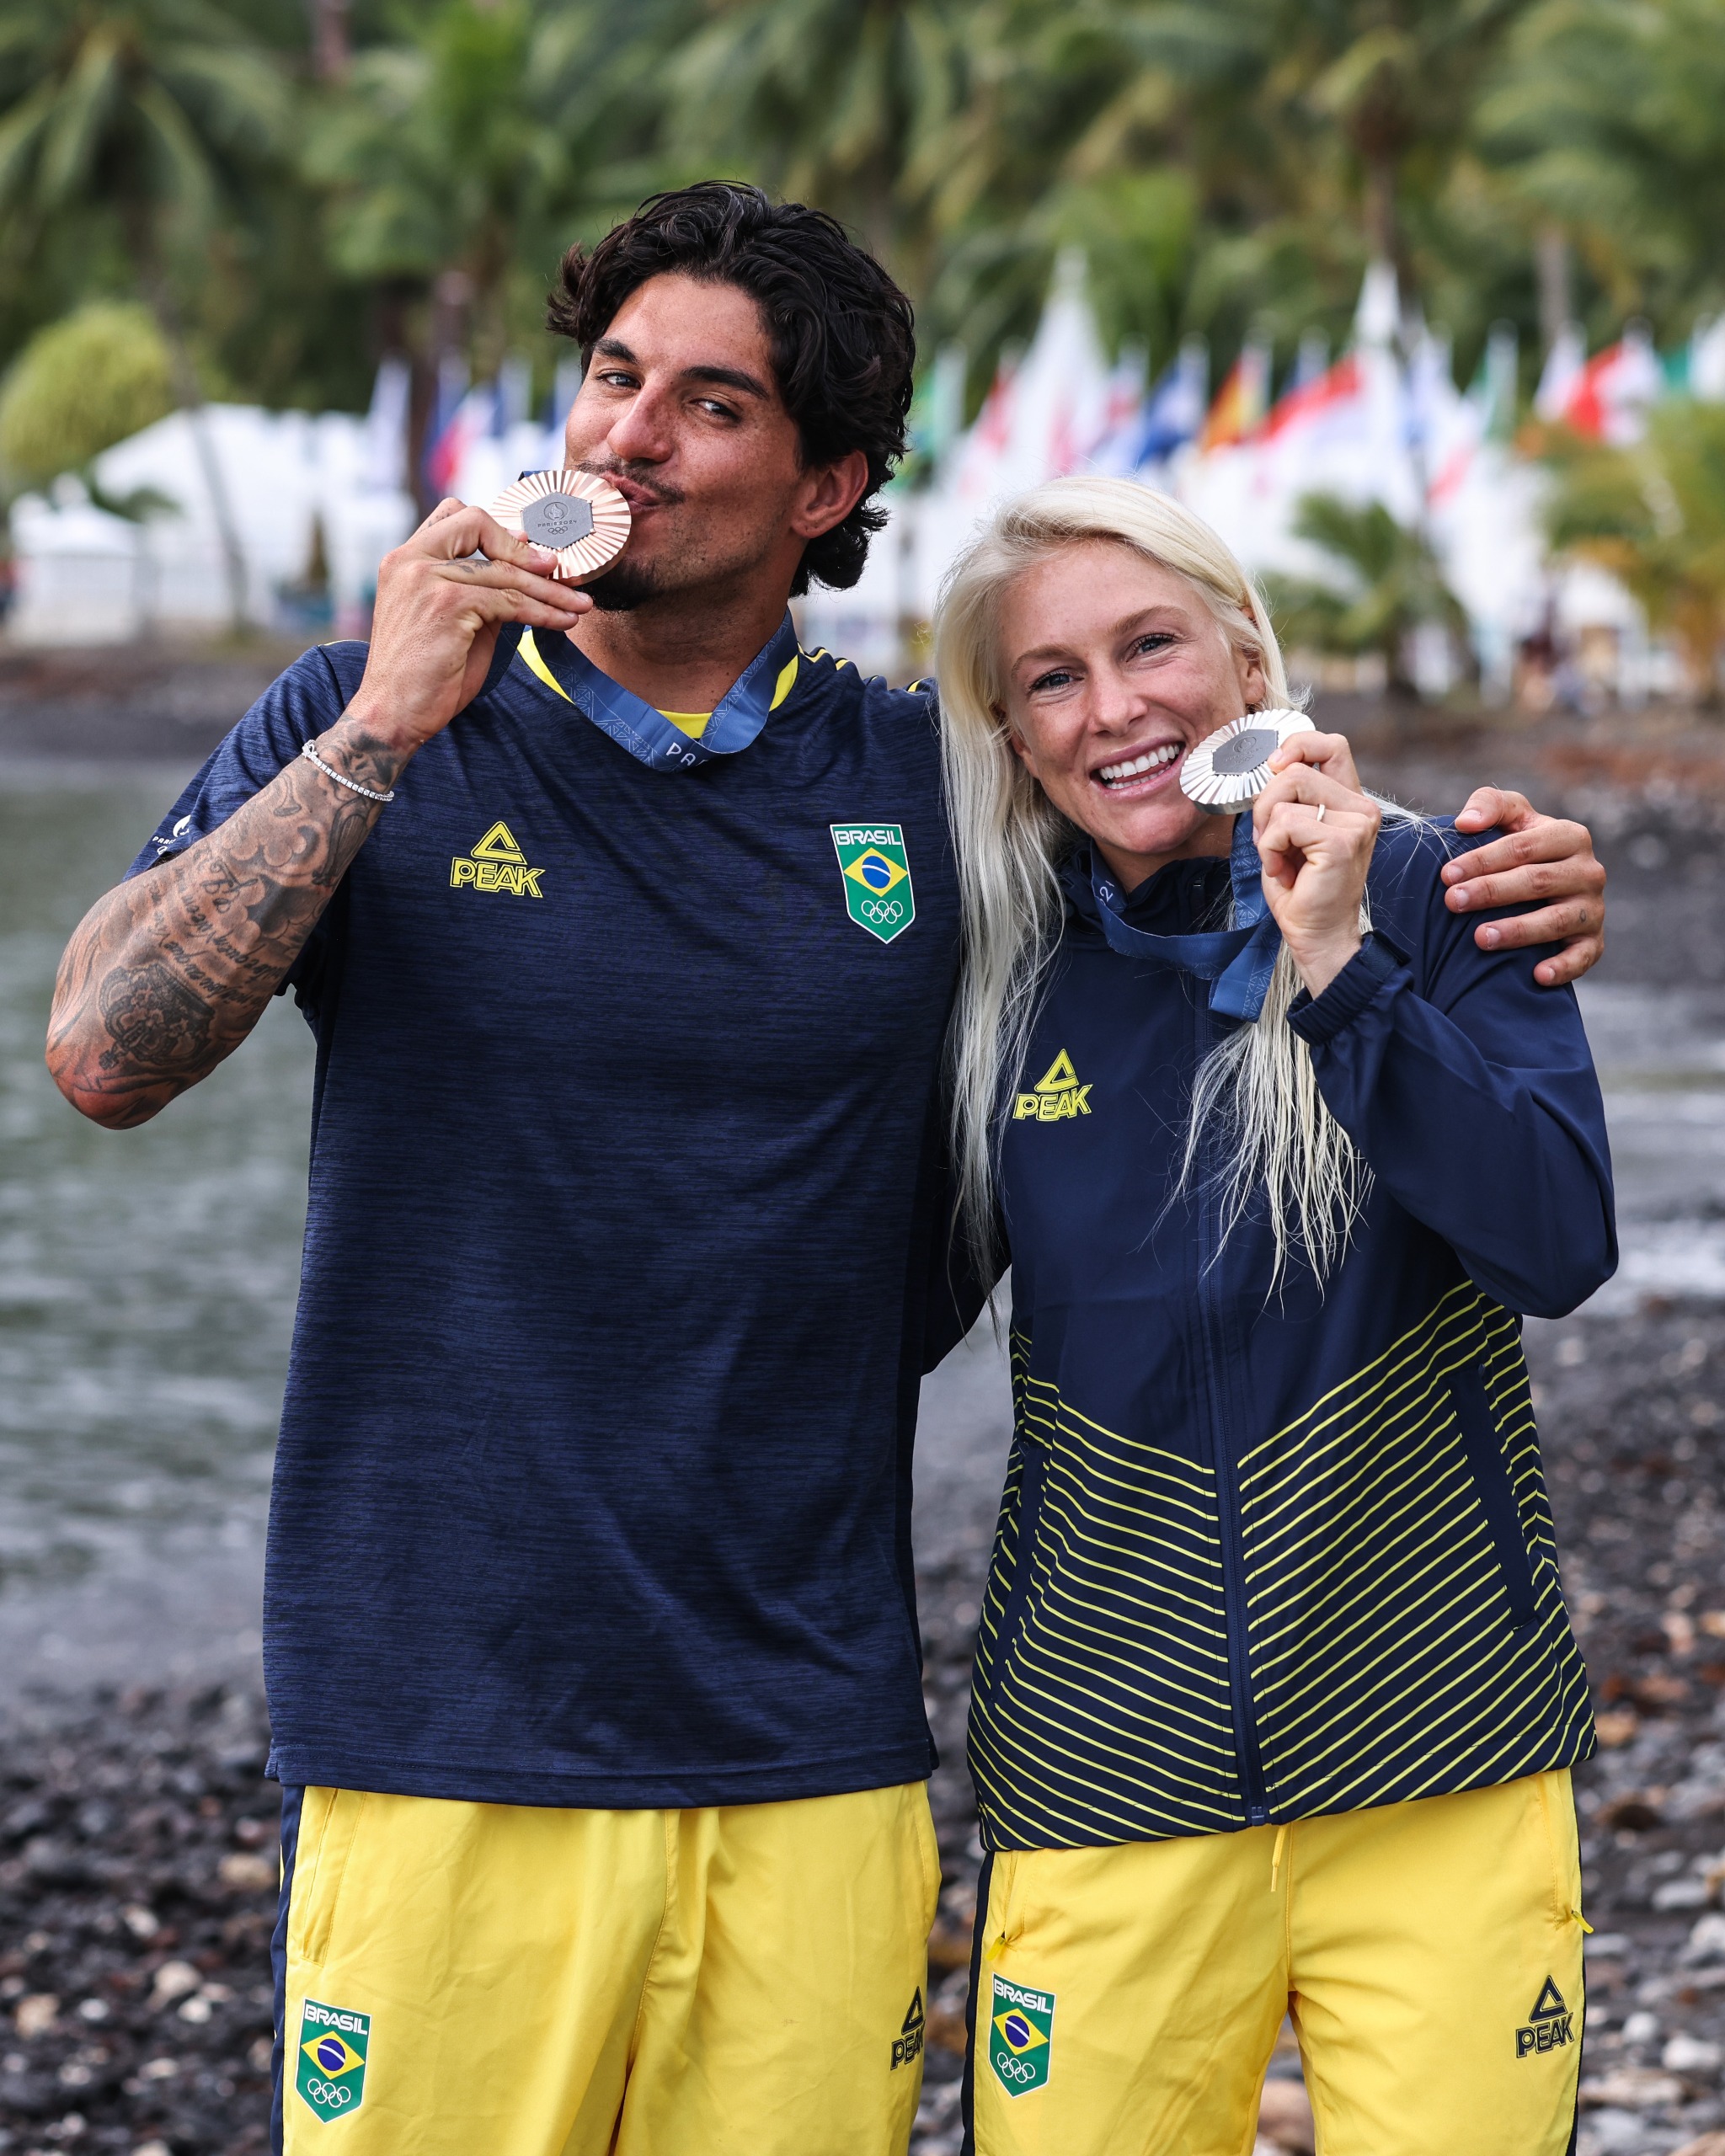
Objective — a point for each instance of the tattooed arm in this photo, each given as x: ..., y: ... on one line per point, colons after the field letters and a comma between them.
x: 168, y: 973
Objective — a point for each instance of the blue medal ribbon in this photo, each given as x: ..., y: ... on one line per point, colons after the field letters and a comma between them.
x: 648, y: 734
x: 1236, y: 961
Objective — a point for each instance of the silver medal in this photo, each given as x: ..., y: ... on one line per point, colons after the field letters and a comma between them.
x: 1229, y: 769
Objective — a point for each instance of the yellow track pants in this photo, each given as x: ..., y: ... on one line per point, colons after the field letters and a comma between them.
x: 497, y: 1980
x: 1127, y: 1999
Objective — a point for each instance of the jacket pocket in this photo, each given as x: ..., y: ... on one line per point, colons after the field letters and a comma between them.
x: 1031, y: 1475
x: 1492, y: 1486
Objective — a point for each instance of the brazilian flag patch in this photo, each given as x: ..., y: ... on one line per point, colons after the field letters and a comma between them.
x: 1021, y: 2036
x: 329, y: 2065
x: 876, y: 873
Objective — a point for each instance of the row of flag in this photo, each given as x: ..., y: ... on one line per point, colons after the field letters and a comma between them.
x: 1384, y: 422
x: 1060, y: 407
x: 481, y: 435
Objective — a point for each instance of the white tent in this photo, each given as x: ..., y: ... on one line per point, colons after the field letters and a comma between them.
x: 84, y: 575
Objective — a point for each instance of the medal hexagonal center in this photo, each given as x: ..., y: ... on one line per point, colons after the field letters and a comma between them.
x: 557, y: 519
x: 1245, y: 752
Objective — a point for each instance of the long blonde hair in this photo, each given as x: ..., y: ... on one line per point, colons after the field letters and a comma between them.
x: 1258, y: 1084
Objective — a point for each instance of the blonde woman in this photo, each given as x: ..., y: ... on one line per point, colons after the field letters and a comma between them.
x: 1276, y: 1698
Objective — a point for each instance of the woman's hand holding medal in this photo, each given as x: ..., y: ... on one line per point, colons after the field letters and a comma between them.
x: 1315, y: 830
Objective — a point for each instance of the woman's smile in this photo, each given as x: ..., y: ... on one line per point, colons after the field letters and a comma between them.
x: 1140, y: 771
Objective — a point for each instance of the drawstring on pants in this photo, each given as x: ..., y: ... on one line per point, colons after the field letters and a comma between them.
x: 1276, y: 1856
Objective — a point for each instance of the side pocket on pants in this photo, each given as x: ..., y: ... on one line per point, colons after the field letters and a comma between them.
x: 1556, y: 1801
x: 928, y: 1849
x: 329, y: 1819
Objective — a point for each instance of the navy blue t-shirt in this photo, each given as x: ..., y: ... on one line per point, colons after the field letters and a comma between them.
x: 626, y: 1197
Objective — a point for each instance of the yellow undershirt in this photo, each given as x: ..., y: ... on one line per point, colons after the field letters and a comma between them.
x: 693, y: 724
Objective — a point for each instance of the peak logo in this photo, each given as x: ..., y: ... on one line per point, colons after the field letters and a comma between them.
x: 908, y: 2043
x: 1550, y: 2025
x: 497, y: 863
x: 1055, y: 1095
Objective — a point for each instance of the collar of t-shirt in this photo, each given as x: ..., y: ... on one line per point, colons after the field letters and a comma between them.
x: 669, y: 741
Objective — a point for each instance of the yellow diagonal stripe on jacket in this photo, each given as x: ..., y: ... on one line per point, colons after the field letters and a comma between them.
x: 1382, y: 1666
x: 1404, y: 1628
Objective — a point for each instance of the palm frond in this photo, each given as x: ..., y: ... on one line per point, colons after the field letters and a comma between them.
x: 89, y: 95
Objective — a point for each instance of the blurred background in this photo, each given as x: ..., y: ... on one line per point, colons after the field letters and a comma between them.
x: 1422, y: 305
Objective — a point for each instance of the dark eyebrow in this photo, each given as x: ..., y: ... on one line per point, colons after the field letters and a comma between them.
x: 613, y: 348
x: 729, y: 378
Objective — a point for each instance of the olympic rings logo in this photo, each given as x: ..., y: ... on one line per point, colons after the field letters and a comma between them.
x: 882, y: 911
x: 328, y: 2093
x: 1013, y: 2069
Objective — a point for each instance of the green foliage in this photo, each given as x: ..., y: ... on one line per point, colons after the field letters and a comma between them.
x: 1654, y: 515
x: 87, y: 381
x: 430, y: 159
x: 1228, y: 166
x: 150, y: 108
x: 478, y: 140
x: 845, y: 103
x: 1606, y: 119
x: 1386, y: 582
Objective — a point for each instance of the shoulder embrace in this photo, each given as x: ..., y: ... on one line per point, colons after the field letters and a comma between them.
x: 1411, y: 852
x: 1404, y: 885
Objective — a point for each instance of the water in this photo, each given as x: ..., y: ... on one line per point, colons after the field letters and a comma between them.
x: 147, y: 1288
x: 1661, y: 1058
x: 147, y: 1282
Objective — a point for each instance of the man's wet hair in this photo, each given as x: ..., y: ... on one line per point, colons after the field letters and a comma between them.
x: 839, y: 329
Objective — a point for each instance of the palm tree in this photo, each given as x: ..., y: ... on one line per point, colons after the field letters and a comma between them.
x: 841, y: 102
x: 1059, y: 137
x: 147, y: 111
x: 1387, y: 584
x: 1262, y: 151
x: 1605, y: 122
x: 1654, y: 515
x: 435, y: 158
x: 458, y: 160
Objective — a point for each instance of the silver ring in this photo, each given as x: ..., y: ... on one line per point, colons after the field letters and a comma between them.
x: 1321, y: 807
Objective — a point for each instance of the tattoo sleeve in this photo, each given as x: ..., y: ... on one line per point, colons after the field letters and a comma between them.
x: 168, y: 974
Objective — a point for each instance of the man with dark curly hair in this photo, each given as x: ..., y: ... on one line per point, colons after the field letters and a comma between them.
x: 591, y: 1636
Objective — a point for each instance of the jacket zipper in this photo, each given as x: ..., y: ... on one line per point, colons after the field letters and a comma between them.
x: 1212, y: 1332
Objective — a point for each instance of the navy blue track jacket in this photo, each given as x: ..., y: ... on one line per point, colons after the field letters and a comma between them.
x: 1268, y: 1552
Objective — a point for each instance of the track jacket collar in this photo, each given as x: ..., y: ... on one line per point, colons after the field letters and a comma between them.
x: 1236, y: 961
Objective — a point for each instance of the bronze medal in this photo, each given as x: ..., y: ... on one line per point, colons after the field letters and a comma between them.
x: 584, y: 519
